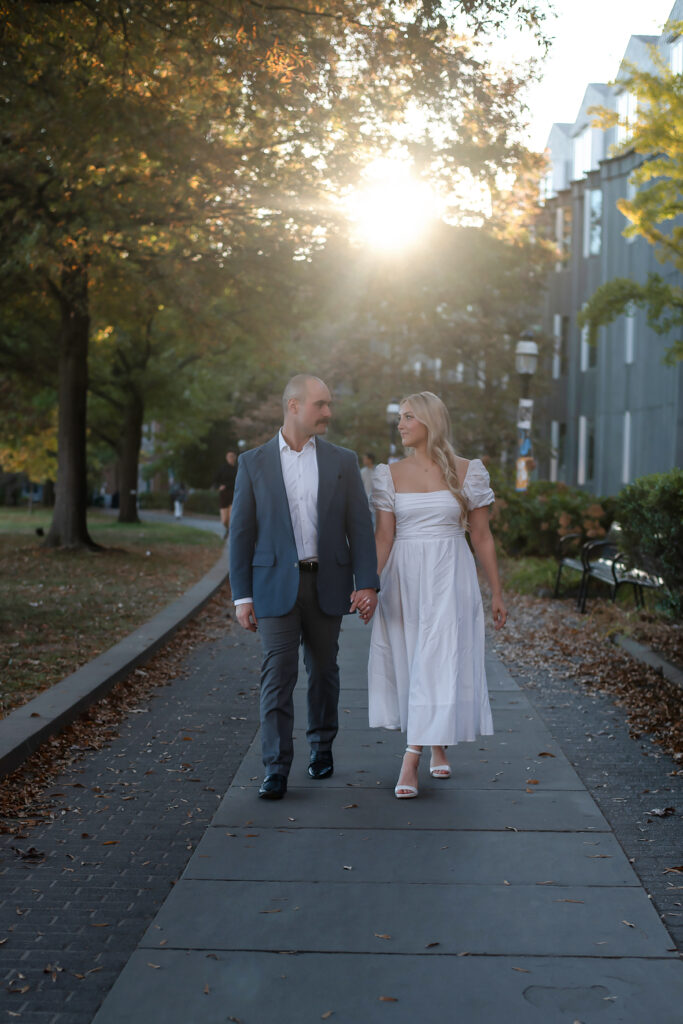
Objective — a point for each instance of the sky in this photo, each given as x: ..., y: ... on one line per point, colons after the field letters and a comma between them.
x: 590, y: 39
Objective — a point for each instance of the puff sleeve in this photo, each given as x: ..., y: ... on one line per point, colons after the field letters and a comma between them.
x: 477, y: 486
x: 383, y: 492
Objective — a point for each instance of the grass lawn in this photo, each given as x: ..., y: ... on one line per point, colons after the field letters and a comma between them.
x: 58, y: 609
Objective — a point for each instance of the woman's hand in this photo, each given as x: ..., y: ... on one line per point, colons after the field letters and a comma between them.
x: 499, y: 611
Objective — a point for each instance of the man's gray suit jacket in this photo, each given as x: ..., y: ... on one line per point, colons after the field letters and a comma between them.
x: 264, y: 563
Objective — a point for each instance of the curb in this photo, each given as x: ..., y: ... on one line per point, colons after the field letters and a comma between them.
x: 28, y: 727
x: 648, y: 657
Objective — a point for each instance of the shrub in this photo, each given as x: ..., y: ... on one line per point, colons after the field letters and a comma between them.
x: 532, y: 522
x: 650, y: 511
x: 154, y: 499
x: 202, y: 501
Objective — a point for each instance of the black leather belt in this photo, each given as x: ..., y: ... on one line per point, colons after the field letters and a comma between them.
x: 308, y: 566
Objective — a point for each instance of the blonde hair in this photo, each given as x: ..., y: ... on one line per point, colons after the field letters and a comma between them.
x: 430, y: 410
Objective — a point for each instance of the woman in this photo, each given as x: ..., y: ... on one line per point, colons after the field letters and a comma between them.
x: 426, y: 669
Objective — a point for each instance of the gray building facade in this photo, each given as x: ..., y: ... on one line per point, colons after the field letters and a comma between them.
x: 615, y: 410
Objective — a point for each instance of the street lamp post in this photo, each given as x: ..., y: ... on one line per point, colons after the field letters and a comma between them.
x: 526, y: 361
x: 393, y: 412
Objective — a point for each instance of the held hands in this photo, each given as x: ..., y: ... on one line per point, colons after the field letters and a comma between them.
x: 499, y: 611
x: 246, y: 617
x: 364, y: 602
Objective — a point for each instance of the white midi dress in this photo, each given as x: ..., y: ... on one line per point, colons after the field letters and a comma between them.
x: 426, y: 673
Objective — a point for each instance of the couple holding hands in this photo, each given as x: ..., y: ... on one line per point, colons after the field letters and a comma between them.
x: 303, y: 554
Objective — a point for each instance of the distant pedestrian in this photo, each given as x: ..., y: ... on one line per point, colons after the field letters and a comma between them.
x: 179, y: 497
x: 367, y: 472
x: 225, y: 481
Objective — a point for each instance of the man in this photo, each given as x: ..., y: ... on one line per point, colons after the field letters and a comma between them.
x: 225, y: 479
x: 300, y: 535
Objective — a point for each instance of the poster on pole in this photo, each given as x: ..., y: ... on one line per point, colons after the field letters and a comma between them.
x: 525, y: 411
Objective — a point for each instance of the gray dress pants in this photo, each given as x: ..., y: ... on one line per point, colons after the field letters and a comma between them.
x: 281, y: 637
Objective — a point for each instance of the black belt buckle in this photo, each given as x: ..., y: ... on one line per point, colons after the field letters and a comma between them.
x: 308, y: 566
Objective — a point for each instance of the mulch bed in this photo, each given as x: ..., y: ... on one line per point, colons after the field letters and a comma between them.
x: 550, y: 636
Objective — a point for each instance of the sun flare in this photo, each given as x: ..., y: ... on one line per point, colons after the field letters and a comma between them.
x: 392, y: 209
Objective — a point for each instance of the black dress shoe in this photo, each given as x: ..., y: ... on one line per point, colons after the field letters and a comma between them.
x: 321, y: 765
x: 273, y: 787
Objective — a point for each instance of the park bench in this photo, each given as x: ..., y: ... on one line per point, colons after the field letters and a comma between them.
x: 602, y: 560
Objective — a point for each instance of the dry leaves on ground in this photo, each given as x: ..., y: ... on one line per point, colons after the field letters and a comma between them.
x: 545, y: 635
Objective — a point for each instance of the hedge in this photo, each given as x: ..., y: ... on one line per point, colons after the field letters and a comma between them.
x: 532, y: 522
x: 650, y: 512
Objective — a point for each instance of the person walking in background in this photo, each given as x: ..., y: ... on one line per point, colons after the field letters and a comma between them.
x: 426, y: 671
x: 179, y: 497
x: 302, y: 555
x: 225, y: 481
x: 367, y: 472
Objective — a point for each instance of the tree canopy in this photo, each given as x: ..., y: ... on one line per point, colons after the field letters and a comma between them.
x: 168, y: 142
x: 655, y: 212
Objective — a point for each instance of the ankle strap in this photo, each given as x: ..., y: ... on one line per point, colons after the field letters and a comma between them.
x: 412, y: 750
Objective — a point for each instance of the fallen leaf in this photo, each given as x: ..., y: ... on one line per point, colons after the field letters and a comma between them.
x: 546, y: 753
x: 348, y: 867
x: 388, y: 999
x: 430, y: 945
x: 155, y: 966
x: 277, y: 911
x: 206, y: 989
x: 628, y: 924
x: 532, y: 782
x: 347, y: 807
x: 568, y: 901
x: 381, y: 935
x: 326, y: 1015
x: 110, y: 842
x: 522, y: 970
x: 678, y: 869
x: 663, y: 812
x: 103, y: 925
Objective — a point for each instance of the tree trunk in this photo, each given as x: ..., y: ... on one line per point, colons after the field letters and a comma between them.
x: 129, y: 455
x: 69, y: 527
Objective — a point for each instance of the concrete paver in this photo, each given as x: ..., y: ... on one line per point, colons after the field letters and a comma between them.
x: 496, y: 900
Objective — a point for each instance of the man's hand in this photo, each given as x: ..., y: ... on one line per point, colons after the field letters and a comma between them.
x: 364, y: 602
x: 246, y: 617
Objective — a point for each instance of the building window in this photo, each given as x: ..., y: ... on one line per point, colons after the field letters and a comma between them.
x: 581, y: 466
x: 631, y: 191
x: 564, y: 346
x: 582, y: 153
x: 626, y: 450
x: 563, y: 235
x: 589, y: 353
x: 627, y: 109
x: 557, y: 345
x: 586, y: 461
x: 592, y: 222
x: 676, y: 57
x: 630, y: 337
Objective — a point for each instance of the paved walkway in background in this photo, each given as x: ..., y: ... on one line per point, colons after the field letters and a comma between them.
x: 501, y: 894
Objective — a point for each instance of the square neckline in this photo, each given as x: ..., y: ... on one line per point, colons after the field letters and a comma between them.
x: 442, y: 490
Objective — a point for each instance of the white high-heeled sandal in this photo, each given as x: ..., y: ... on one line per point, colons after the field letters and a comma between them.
x: 403, y: 791
x: 439, y: 771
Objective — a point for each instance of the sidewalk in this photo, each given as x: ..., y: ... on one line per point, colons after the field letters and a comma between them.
x: 499, y: 894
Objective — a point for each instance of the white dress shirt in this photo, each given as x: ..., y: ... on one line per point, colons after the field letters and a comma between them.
x: 300, y: 474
